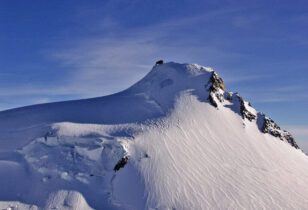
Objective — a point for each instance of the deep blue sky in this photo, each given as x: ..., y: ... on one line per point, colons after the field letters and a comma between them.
x: 59, y: 50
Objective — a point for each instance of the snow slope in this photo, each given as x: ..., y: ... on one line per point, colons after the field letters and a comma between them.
x: 189, y: 143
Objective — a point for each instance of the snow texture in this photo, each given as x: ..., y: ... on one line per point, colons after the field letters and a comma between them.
x: 177, y: 139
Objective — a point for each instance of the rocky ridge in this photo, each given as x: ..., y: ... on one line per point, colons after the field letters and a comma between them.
x: 269, y: 126
x: 218, y: 94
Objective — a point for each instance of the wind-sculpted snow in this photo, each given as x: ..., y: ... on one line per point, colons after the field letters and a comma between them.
x: 160, y: 144
x: 211, y: 161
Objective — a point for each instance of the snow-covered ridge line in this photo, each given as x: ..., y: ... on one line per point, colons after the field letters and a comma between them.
x: 151, y: 97
x: 218, y: 94
x: 269, y: 126
x: 174, y: 140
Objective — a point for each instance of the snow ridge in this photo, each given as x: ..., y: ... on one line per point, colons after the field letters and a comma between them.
x: 174, y: 140
x: 218, y: 94
x: 269, y: 126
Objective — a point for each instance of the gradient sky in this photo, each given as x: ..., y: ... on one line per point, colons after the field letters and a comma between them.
x: 61, y: 50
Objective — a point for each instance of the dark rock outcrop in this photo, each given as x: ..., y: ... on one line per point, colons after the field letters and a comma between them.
x: 217, y: 93
x: 121, y: 163
x: 290, y: 139
x: 217, y: 82
x: 244, y: 111
x: 269, y: 126
x: 212, y: 100
x: 216, y: 89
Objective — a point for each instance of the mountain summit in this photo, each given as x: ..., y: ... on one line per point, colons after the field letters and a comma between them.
x: 177, y: 139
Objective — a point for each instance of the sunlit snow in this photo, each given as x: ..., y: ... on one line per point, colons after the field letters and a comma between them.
x: 183, y: 153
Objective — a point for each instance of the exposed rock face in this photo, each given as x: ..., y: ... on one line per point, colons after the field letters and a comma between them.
x: 287, y: 136
x: 244, y: 111
x: 269, y: 126
x: 121, y: 163
x: 217, y: 89
x: 212, y: 100
x: 217, y: 82
x: 218, y: 94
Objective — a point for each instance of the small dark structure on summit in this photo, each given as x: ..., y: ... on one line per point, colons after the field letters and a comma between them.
x: 159, y: 62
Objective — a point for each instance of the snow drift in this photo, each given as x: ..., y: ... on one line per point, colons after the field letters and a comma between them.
x: 174, y: 140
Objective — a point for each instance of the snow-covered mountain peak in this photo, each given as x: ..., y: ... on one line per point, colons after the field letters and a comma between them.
x: 165, y: 82
x: 178, y: 76
x: 174, y: 140
x: 181, y: 68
